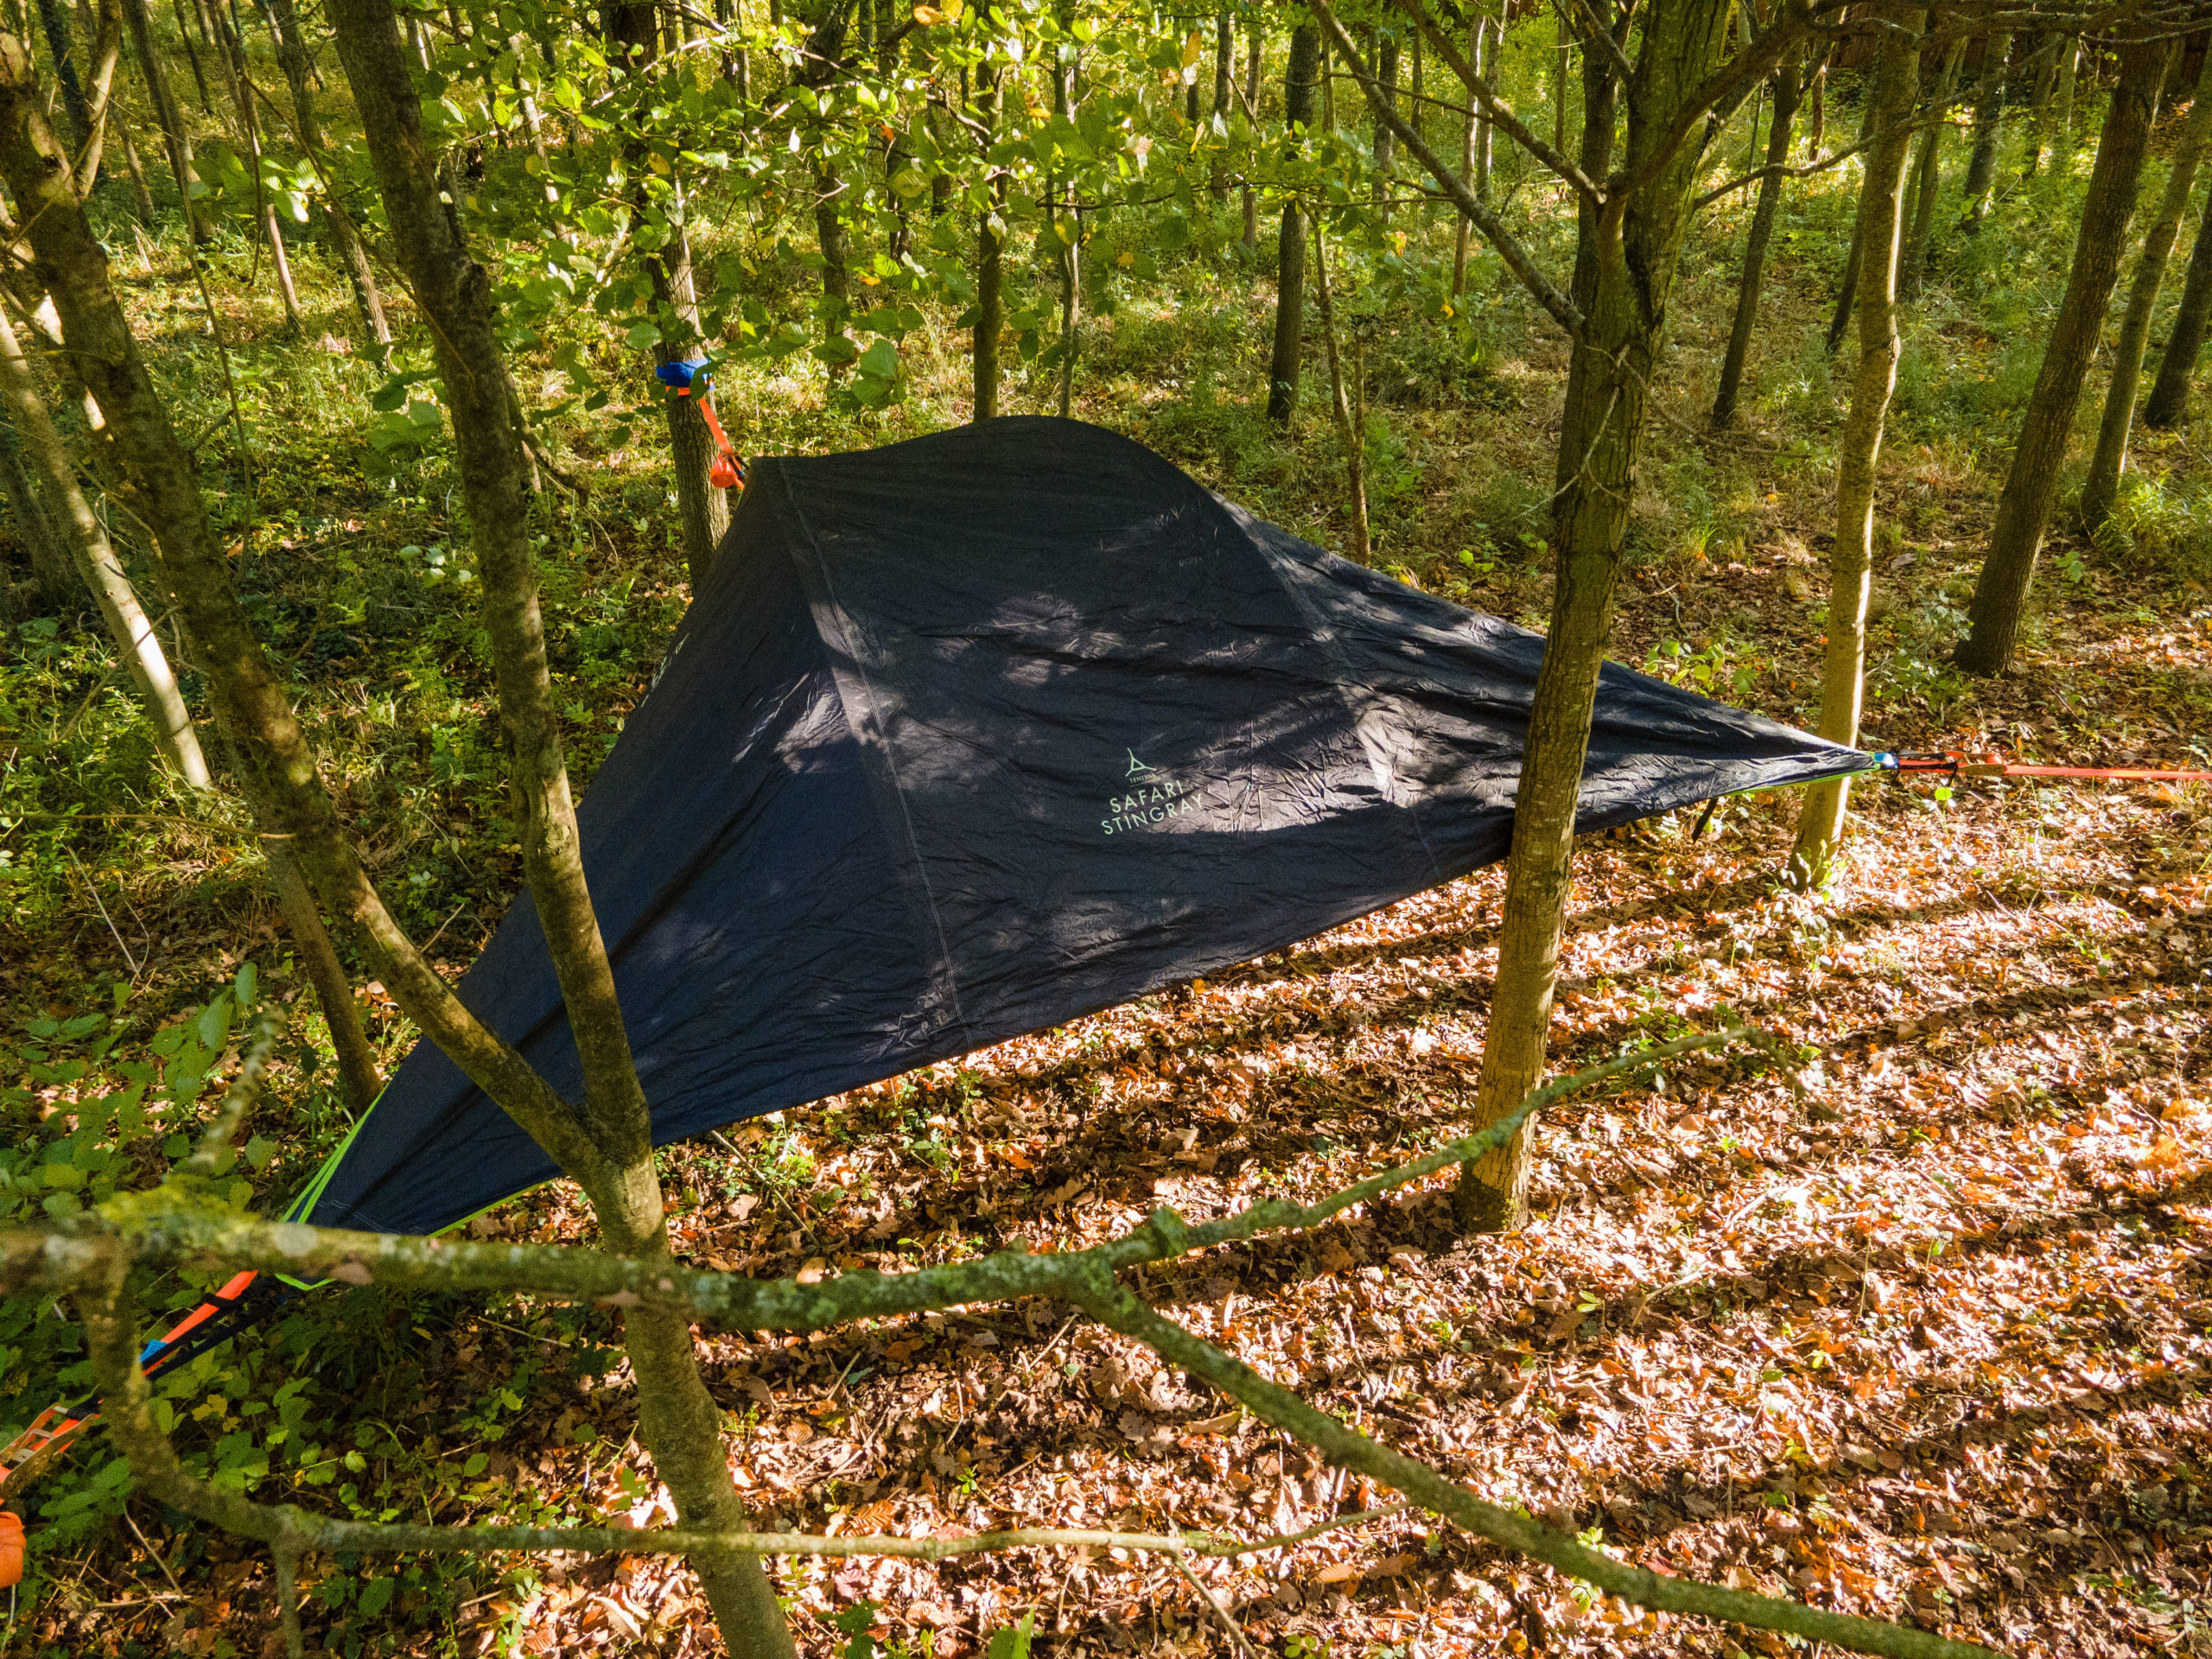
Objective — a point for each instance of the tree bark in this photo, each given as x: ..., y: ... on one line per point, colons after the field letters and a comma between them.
x: 357, y: 1081
x: 345, y: 239
x: 1851, y: 563
x: 1385, y: 151
x: 990, y: 257
x: 238, y: 75
x: 1789, y: 87
x: 52, y: 572
x: 2046, y: 72
x: 1224, y: 66
x: 1250, y: 202
x: 173, y: 134
x: 1988, y: 120
x: 607, y: 1145
x: 1299, y: 79
x: 1473, y: 133
x: 1348, y: 428
x: 1625, y: 263
x: 55, y: 21
x: 2023, y: 508
x: 141, y: 198
x: 703, y: 510
x: 97, y: 567
x: 677, y: 1420
x: 2101, y: 488
x: 2169, y: 400
x: 1928, y: 181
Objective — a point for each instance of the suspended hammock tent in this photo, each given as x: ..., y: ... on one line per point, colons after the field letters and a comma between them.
x: 974, y: 733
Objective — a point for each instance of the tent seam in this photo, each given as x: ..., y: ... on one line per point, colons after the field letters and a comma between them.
x: 883, y: 738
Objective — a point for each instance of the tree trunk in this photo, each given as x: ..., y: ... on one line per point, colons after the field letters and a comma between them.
x: 990, y: 257
x: 1068, y: 235
x: 2069, y: 59
x: 2169, y: 400
x: 141, y: 198
x: 174, y: 135
x: 1250, y: 203
x: 55, y: 22
x: 1851, y: 563
x: 2103, y: 486
x: 2023, y: 508
x: 358, y: 1082
x: 1299, y: 79
x: 1988, y: 121
x: 101, y: 572
x: 1928, y: 181
x: 1625, y: 270
x: 1385, y: 150
x: 2046, y: 79
x: 1471, y: 137
x: 1225, y: 67
x: 192, y: 52
x: 677, y: 1421
x: 634, y: 38
x: 1788, y: 88
x: 52, y: 572
x: 1846, y: 296
x: 238, y: 75
x: 352, y: 256
x: 607, y: 1145
x: 1348, y: 428
x: 1559, y: 67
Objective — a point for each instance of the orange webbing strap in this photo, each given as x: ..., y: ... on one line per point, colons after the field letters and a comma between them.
x: 727, y: 471
x: 1990, y: 765
x: 32, y: 1452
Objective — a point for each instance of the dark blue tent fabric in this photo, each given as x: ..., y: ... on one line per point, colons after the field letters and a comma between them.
x: 976, y: 733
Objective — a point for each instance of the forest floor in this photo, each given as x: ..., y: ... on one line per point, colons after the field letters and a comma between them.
x: 1922, y: 1334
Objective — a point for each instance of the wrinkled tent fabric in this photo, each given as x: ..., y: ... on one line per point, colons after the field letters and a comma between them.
x: 977, y: 733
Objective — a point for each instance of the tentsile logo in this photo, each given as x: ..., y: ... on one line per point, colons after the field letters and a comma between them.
x: 1151, y: 797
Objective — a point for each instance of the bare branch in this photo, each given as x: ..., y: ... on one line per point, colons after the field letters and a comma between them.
x: 1494, y: 106
x: 1547, y: 293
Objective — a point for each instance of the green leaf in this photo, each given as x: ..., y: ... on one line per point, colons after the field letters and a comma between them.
x: 244, y: 986
x: 213, y: 1029
x: 881, y: 360
x: 259, y: 1151
x: 1013, y: 1642
x: 643, y: 336
x: 375, y: 1596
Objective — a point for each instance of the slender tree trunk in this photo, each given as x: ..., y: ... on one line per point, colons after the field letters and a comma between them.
x: 1788, y: 88
x: 352, y: 255
x: 357, y: 1081
x: 1225, y: 67
x: 1290, y: 265
x: 1068, y: 234
x: 141, y: 198
x: 2169, y: 400
x: 55, y: 21
x: 2069, y: 59
x: 98, y: 568
x: 1385, y: 149
x: 52, y: 572
x: 1560, y: 54
x: 1988, y: 121
x: 174, y: 135
x: 1928, y: 181
x: 2023, y: 508
x: 608, y: 1145
x: 990, y: 258
x: 1851, y: 563
x: 192, y: 52
x: 1846, y: 296
x: 633, y: 35
x: 1470, y: 163
x: 1625, y: 270
x: 2101, y: 488
x: 1490, y: 39
x: 2046, y: 80
x: 237, y: 74
x: 1250, y: 202
x: 1347, y: 428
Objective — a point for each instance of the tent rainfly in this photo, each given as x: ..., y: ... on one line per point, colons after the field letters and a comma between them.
x: 976, y: 733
